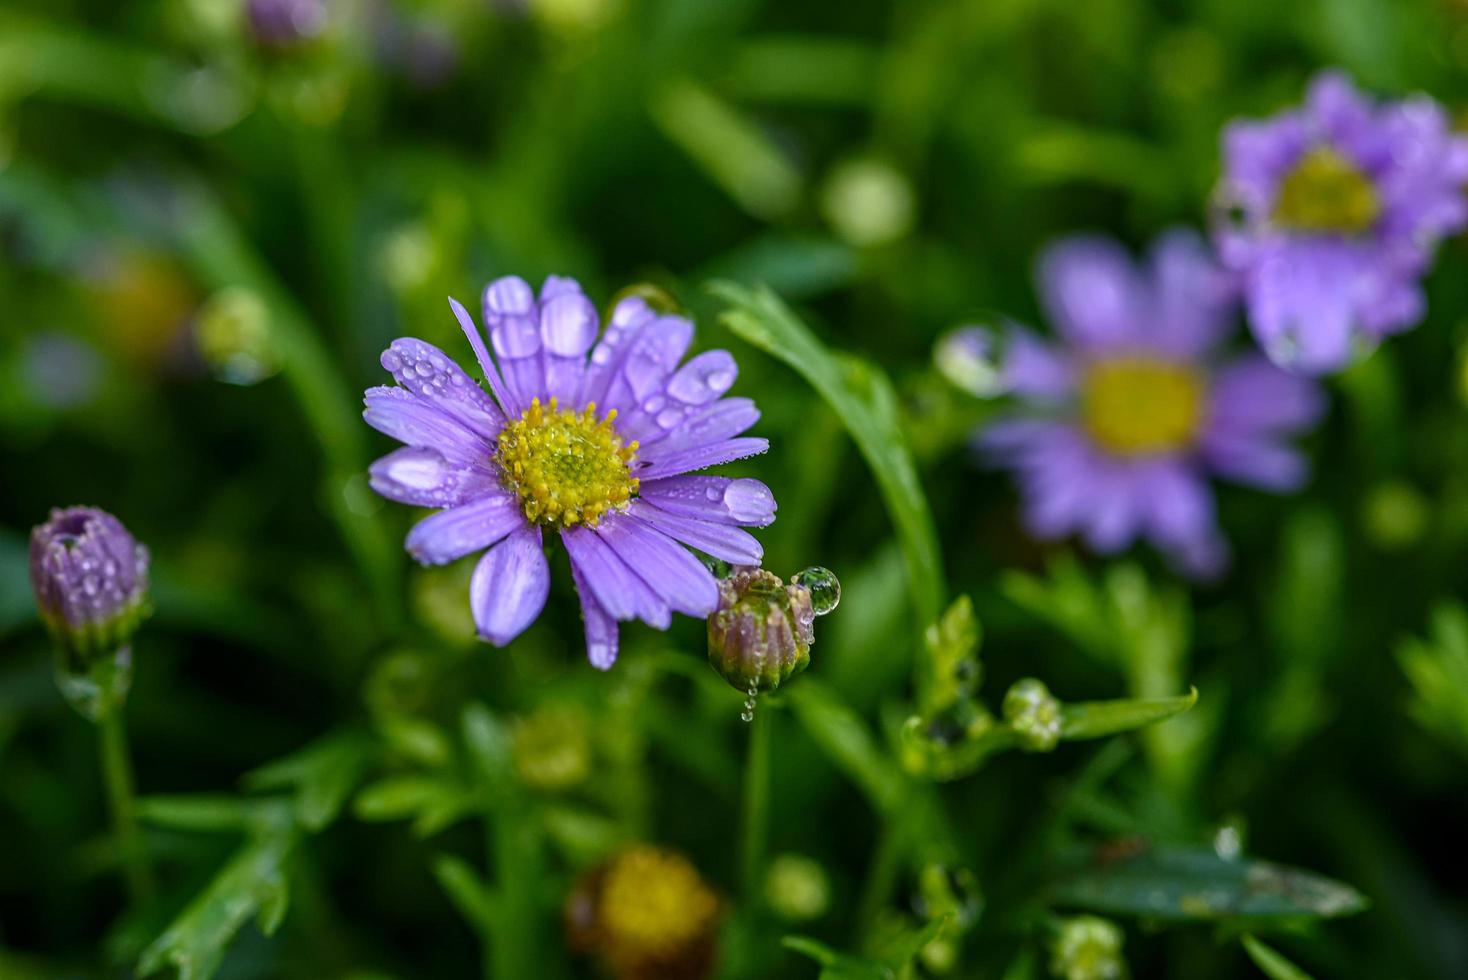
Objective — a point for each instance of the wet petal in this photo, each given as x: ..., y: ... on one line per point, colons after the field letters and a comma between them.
x: 418, y: 422
x: 616, y: 587
x: 465, y: 529
x: 732, y: 544
x: 428, y: 372
x: 509, y: 586
x: 713, y: 498
x: 425, y: 478
x: 486, y: 363
x: 677, y: 577
x: 601, y: 627
x: 699, y: 457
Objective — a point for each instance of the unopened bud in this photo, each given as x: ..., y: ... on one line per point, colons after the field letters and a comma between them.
x: 1034, y: 714
x: 762, y: 632
x: 1088, y: 948
x: 90, y: 578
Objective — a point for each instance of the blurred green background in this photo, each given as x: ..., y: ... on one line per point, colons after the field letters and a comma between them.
x: 207, y: 239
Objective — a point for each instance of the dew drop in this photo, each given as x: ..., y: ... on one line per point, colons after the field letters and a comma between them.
x: 824, y: 587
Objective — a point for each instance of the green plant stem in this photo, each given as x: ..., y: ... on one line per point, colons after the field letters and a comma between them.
x: 117, y: 773
x: 754, y: 837
x: 515, y: 948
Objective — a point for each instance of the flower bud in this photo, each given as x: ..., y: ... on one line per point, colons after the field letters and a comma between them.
x: 1034, y: 714
x: 647, y: 915
x: 762, y: 631
x: 282, y: 23
x: 797, y: 888
x: 1088, y: 948
x: 552, y: 748
x: 90, y: 578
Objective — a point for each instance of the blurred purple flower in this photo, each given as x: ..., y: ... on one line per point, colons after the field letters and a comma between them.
x: 90, y: 579
x: 1334, y: 211
x: 595, y: 449
x: 280, y: 23
x: 1122, y: 426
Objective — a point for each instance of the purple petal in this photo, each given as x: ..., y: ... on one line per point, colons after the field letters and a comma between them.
x: 418, y: 422
x: 558, y: 286
x: 513, y: 321
x: 732, y: 544
x: 601, y: 627
x: 712, y: 498
x: 568, y: 326
x: 428, y: 372
x: 424, y: 478
x: 722, y: 420
x: 1035, y: 369
x: 486, y: 363
x: 462, y: 530
x: 1180, y: 504
x: 1255, y: 460
x: 677, y: 577
x: 631, y: 316
x: 699, y: 457
x: 1193, y: 299
x: 616, y: 587
x: 509, y: 586
x: 650, y: 359
x: 1092, y: 292
x: 1250, y: 394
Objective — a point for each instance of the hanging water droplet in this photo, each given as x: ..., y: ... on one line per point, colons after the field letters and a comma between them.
x: 971, y: 358
x: 824, y: 588
x: 750, y: 701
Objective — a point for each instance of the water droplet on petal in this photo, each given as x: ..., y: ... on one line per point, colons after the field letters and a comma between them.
x: 824, y: 588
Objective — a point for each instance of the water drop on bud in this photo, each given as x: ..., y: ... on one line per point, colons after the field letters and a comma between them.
x: 824, y: 588
x: 1034, y: 714
x: 761, y: 633
x: 971, y: 359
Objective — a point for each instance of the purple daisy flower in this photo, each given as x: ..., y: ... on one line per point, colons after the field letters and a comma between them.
x: 1122, y: 426
x: 1336, y: 209
x: 590, y: 439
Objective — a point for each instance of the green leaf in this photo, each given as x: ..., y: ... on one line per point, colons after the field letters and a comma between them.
x: 836, y: 965
x: 323, y: 775
x: 1185, y: 884
x: 253, y: 883
x: 863, y: 398
x: 1438, y: 671
x: 470, y: 895
x: 1097, y: 719
x: 208, y: 812
x: 952, y: 644
x: 1274, y: 965
x: 431, y: 802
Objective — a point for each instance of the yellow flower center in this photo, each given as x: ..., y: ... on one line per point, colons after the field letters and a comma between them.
x: 653, y: 904
x: 1133, y: 406
x: 1327, y: 193
x: 566, y: 467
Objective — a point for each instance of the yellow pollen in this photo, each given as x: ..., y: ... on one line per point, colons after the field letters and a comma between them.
x: 654, y: 904
x: 1327, y: 193
x: 566, y: 467
x: 1135, y: 406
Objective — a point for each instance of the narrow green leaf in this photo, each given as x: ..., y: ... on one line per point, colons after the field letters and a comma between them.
x: 863, y: 398
x: 836, y: 965
x: 468, y: 892
x: 1274, y: 965
x: 1182, y: 884
x: 253, y: 883
x: 323, y: 775
x: 952, y: 644
x: 205, y: 812
x: 1096, y: 719
x: 425, y: 799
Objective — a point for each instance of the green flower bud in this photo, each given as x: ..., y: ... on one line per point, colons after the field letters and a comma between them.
x: 1088, y: 948
x: 1034, y: 714
x: 552, y: 748
x: 797, y: 888
x: 762, y: 632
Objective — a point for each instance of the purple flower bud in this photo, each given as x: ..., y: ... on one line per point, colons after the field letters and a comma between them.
x: 762, y: 632
x: 90, y: 578
x: 280, y: 23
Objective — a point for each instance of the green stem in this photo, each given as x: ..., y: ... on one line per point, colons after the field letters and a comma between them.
x: 515, y: 946
x: 756, y: 817
x: 118, y: 774
x: 882, y: 870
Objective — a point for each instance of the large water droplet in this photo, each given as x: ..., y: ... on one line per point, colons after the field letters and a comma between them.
x: 824, y: 588
x: 971, y: 358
